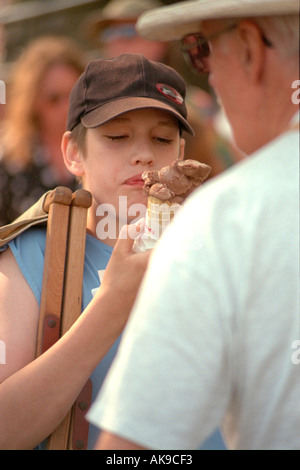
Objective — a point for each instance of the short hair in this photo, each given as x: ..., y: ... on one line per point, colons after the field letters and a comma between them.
x: 283, y: 32
x: 78, y: 137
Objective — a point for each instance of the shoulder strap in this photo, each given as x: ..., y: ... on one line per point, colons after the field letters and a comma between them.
x: 33, y: 216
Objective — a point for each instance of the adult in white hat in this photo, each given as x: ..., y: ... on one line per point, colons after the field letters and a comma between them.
x: 216, y: 325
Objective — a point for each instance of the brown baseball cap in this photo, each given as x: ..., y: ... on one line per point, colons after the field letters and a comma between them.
x: 110, y: 87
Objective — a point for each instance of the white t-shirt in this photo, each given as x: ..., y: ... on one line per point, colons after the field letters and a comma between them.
x: 211, y: 340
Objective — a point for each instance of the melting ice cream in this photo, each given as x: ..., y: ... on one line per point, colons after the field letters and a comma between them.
x: 173, y: 183
x: 166, y: 190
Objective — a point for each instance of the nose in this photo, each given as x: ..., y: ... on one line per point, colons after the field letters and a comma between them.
x: 143, y: 155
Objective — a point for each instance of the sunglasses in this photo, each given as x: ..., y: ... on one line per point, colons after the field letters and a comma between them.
x: 196, y: 50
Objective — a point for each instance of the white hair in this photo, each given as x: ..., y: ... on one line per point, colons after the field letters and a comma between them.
x: 282, y: 32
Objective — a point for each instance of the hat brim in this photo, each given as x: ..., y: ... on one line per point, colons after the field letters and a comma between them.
x: 175, y: 21
x: 113, y: 109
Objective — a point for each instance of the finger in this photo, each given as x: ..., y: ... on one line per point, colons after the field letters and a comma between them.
x: 129, y: 233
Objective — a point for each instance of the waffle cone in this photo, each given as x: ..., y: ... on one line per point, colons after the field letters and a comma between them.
x: 159, y: 214
x: 155, y: 200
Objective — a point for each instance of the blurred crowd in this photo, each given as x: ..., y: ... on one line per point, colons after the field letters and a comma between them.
x: 38, y: 82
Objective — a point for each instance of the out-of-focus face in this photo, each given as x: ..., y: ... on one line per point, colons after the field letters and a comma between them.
x: 52, y: 103
x: 237, y: 64
x: 225, y: 78
x: 123, y: 39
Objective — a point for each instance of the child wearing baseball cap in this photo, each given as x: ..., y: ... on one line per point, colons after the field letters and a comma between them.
x: 132, y: 112
x: 126, y: 115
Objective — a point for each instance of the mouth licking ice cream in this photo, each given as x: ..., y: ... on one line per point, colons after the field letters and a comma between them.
x: 166, y: 190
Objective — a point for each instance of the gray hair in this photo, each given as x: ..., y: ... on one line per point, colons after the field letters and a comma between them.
x: 283, y: 32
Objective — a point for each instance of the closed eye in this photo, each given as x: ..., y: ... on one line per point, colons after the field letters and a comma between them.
x: 116, y: 137
x: 163, y: 140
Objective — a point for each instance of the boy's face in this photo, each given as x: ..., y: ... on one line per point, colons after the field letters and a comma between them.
x: 118, y: 152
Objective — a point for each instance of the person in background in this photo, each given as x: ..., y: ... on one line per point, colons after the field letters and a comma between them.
x: 213, y: 338
x: 38, y: 91
x: 113, y: 30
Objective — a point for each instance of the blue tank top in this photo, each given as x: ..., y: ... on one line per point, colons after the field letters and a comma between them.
x: 28, y: 249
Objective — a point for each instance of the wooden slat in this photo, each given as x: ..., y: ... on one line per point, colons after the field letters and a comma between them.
x: 61, y: 438
x: 57, y: 204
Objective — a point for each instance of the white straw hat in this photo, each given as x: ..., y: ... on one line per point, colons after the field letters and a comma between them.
x: 174, y: 21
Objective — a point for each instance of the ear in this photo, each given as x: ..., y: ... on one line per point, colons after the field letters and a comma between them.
x: 252, y: 50
x: 72, y: 155
x: 181, y: 149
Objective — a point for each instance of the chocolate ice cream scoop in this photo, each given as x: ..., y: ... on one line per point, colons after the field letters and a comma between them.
x: 176, y: 181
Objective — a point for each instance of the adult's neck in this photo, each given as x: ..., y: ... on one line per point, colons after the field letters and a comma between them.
x: 282, y: 102
x: 272, y: 113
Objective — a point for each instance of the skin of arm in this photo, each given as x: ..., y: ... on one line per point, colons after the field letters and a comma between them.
x: 109, y: 441
x: 35, y: 394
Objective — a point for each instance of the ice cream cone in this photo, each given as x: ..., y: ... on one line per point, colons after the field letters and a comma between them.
x: 163, y: 187
x: 159, y: 215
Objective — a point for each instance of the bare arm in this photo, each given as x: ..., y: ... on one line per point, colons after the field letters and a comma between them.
x: 36, y: 394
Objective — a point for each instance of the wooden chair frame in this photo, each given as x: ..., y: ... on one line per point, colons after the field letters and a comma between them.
x: 62, y: 296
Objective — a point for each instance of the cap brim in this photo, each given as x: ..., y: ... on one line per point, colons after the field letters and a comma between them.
x: 111, y: 110
x: 175, y: 21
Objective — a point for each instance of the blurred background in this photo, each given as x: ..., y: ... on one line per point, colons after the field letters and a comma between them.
x: 24, y: 20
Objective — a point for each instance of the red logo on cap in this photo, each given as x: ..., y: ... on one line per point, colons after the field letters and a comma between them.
x: 169, y: 92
